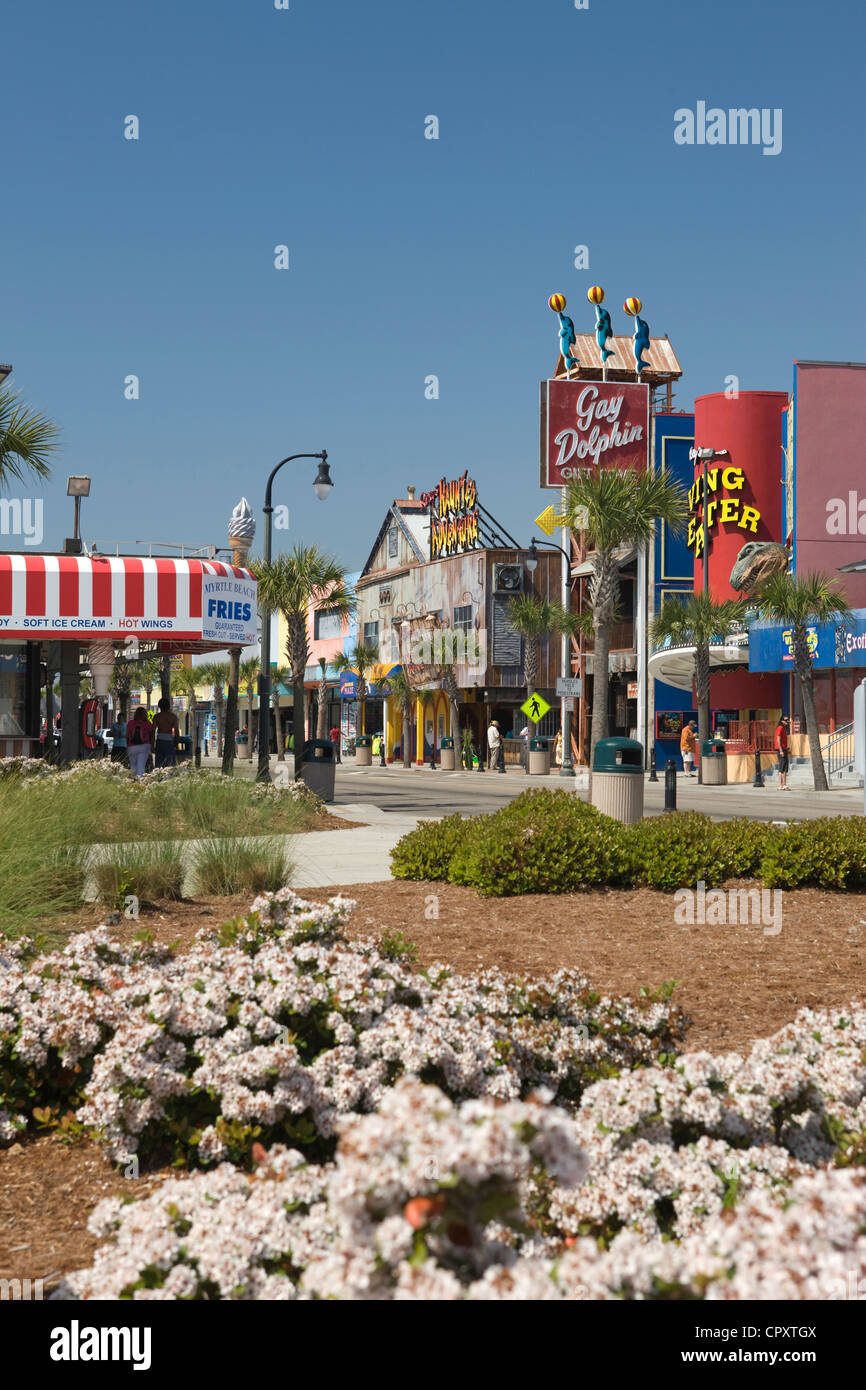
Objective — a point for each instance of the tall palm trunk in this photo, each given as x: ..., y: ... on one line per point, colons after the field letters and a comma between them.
x: 803, y: 667
x: 603, y: 591
x: 278, y: 721
x: 231, y: 723
x: 702, y: 689
x: 250, y: 721
x: 361, y: 689
x: 322, y: 712
x: 297, y: 654
x: 219, y: 701
x: 407, y: 730
x: 452, y: 690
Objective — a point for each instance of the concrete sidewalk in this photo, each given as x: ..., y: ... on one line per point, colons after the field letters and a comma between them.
x: 319, y: 858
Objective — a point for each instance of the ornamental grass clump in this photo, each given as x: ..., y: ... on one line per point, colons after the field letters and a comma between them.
x: 150, y: 871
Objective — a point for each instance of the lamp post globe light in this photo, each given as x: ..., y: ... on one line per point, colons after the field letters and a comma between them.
x: 323, y: 484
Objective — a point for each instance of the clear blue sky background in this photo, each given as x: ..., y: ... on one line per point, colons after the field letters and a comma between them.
x: 408, y: 256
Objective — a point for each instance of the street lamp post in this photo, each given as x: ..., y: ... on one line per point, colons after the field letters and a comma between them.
x: 323, y: 484
x: 567, y: 768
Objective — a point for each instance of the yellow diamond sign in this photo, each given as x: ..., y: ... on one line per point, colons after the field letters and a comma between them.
x: 535, y: 708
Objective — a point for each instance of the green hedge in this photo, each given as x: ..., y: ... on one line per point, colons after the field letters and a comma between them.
x: 551, y: 842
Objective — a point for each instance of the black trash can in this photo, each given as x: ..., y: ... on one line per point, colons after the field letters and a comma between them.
x: 318, y: 767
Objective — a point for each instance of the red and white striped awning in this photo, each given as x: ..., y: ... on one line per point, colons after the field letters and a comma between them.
x: 78, y: 598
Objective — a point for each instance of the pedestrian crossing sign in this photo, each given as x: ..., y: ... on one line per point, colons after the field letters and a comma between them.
x: 535, y: 708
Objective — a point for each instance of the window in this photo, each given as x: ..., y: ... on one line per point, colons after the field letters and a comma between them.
x: 327, y: 625
x: 13, y: 687
x: 371, y: 634
x: 463, y: 618
x: 392, y: 543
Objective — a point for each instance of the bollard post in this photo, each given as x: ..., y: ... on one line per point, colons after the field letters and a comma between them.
x: 382, y: 762
x: 198, y: 755
x: 433, y: 755
x: 653, y: 776
x: 759, y: 776
x: 670, y: 785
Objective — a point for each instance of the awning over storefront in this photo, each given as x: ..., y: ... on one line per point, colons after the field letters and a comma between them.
x: 204, y: 604
x: 676, y: 665
x: 349, y: 680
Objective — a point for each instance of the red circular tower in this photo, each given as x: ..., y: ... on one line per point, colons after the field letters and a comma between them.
x: 745, y: 496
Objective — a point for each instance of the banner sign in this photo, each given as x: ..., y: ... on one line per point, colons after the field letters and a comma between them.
x: 228, y: 610
x: 592, y: 424
x: 453, y: 516
x: 771, y: 645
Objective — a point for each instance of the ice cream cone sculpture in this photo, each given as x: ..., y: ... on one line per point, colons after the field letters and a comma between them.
x: 242, y: 529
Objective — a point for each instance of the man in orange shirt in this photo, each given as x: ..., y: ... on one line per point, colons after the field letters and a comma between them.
x: 781, y: 745
x: 687, y: 748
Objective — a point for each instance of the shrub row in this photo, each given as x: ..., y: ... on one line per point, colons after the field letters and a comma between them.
x: 549, y: 841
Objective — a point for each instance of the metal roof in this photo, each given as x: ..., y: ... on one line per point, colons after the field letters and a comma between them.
x: 663, y: 363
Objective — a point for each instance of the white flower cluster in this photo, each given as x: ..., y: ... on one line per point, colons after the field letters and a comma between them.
x: 30, y: 770
x: 477, y: 1137
x: 429, y: 1200
x: 24, y: 767
x: 276, y: 1024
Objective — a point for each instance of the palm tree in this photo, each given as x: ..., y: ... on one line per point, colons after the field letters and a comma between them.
x: 361, y: 658
x: 800, y: 602
x: 216, y: 674
x: 120, y: 684
x: 404, y: 693
x: 184, y: 682
x: 328, y: 666
x: 27, y: 441
x: 615, y: 510
x: 145, y: 673
x: 536, y: 618
x: 249, y: 674
x: 697, y: 622
x: 280, y: 675
x: 230, y: 736
x: 448, y: 681
x: 290, y: 583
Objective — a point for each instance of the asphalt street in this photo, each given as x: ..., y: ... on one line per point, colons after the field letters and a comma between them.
x: 422, y: 792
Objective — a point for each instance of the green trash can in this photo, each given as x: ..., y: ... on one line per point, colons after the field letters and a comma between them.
x: 617, y: 779
x: 447, y: 756
x: 539, y: 757
x: 364, y: 750
x: 714, y: 763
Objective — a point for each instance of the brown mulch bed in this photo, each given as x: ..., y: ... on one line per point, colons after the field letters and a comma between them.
x: 735, y: 983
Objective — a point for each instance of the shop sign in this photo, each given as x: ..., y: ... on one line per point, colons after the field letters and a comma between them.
x: 453, y: 516
x: 671, y: 722
x: 771, y: 645
x: 724, y: 511
x: 589, y: 425
x: 228, y: 610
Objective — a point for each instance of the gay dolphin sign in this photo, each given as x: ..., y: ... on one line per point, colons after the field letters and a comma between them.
x: 228, y: 611
x: 587, y: 425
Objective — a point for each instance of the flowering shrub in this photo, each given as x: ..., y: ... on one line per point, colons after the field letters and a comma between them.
x: 273, y: 1026
x: 23, y: 767
x: 477, y: 1137
x: 429, y: 1200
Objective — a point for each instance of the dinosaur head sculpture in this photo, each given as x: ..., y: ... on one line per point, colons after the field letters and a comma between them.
x: 756, y: 562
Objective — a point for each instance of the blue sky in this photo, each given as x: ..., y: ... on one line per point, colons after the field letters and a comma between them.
x: 408, y: 256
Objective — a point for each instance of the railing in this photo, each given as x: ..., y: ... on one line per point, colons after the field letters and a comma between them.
x: 754, y: 733
x: 839, y: 750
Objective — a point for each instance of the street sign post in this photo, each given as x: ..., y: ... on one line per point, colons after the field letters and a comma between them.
x: 568, y: 685
x: 535, y: 708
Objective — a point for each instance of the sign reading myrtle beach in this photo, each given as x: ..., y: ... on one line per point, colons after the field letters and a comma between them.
x: 228, y: 610
x: 592, y: 424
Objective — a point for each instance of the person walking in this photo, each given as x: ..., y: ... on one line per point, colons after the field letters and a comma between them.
x: 118, y: 739
x: 495, y: 750
x: 138, y: 738
x: 557, y: 749
x: 687, y: 748
x: 780, y: 743
x: 166, y: 731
